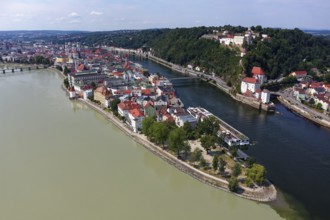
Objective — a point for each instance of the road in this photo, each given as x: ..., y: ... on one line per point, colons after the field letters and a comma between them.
x: 288, y: 95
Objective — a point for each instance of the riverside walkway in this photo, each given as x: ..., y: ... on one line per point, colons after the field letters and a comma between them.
x: 289, y: 101
x: 261, y: 194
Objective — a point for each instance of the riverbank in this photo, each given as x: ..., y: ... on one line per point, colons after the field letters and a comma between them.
x: 303, y: 113
x: 261, y: 194
x: 213, y: 80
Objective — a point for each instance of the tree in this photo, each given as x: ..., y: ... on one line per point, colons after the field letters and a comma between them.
x: 215, y: 162
x: 66, y: 83
x: 236, y: 170
x: 202, y: 162
x: 311, y: 101
x: 66, y: 71
x: 319, y: 106
x: 209, y: 126
x: 59, y: 68
x: 233, y: 150
x: 233, y: 184
x: 176, y: 140
x: 248, y: 182
x: 160, y: 131
x: 250, y: 161
x: 196, y: 155
x: 114, y: 105
x: 222, y: 165
x: 188, y: 130
x: 93, y: 84
x: 185, y: 150
x: 208, y: 142
x: 146, y: 125
x: 257, y: 173
x: 327, y: 78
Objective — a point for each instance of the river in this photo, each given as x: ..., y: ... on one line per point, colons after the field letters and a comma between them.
x: 61, y: 160
x: 295, y: 152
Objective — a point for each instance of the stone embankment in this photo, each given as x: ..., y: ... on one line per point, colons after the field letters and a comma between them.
x: 260, y: 194
x: 303, y: 112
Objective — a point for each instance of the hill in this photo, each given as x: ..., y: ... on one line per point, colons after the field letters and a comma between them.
x: 279, y: 53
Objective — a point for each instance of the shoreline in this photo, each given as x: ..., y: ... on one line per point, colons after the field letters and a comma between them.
x: 264, y: 194
x: 260, y: 194
x: 302, y: 113
x: 219, y: 83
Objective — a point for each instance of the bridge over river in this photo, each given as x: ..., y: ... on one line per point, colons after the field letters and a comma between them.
x: 14, y: 70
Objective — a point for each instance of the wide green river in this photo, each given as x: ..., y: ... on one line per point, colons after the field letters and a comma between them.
x: 60, y: 160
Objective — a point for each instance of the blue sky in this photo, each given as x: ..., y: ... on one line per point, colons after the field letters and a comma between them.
x: 98, y: 15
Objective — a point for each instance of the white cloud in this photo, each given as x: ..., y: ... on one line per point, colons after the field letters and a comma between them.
x: 96, y: 13
x: 18, y: 15
x: 73, y: 14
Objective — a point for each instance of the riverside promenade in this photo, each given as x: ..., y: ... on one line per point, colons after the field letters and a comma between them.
x: 266, y: 193
x: 291, y: 103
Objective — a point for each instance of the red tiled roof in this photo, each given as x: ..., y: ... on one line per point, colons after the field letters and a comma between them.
x: 102, y: 90
x: 136, y: 113
x: 169, y: 118
x: 146, y: 92
x: 316, y: 85
x: 257, y: 71
x: 250, y: 80
x: 300, y: 72
x: 128, y: 105
x: 119, y: 74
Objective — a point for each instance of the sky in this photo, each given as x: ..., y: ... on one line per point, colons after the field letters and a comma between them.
x: 106, y: 15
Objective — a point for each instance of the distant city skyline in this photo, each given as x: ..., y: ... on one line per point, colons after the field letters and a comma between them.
x: 104, y: 15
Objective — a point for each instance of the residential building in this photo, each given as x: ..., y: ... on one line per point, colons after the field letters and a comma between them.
x: 149, y: 110
x: 265, y: 96
x: 85, y: 78
x: 299, y: 74
x: 324, y: 102
x: 126, y: 106
x: 102, y: 95
x: 249, y: 84
x: 300, y: 94
x: 239, y: 40
x: 72, y: 93
x: 136, y: 117
x: 259, y: 74
x: 185, y: 117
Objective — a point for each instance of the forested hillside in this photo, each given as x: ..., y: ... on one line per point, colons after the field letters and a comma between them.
x: 286, y: 51
x: 282, y: 52
x: 184, y: 46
